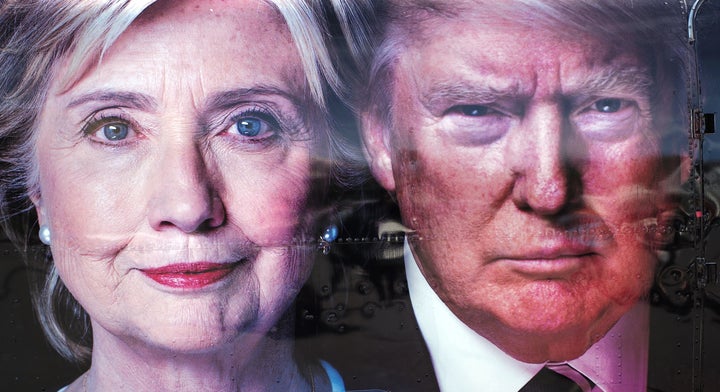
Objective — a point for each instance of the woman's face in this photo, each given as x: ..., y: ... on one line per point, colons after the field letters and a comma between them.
x: 175, y: 174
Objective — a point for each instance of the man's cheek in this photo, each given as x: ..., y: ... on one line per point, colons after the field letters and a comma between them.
x: 629, y: 273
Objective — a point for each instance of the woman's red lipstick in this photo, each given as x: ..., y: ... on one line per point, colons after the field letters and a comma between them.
x: 190, y: 275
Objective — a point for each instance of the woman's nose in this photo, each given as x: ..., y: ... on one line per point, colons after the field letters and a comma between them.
x: 539, y: 161
x: 184, y: 193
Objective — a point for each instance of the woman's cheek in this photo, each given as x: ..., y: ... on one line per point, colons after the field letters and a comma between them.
x: 270, y: 211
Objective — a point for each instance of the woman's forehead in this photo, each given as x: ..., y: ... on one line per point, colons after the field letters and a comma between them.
x: 195, y: 49
x: 249, y: 11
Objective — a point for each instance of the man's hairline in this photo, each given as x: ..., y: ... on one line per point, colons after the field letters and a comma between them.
x: 385, y: 66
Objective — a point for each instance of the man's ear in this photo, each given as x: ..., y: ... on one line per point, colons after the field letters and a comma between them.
x: 377, y: 150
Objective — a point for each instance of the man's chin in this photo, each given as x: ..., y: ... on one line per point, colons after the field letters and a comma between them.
x: 557, y: 351
x: 537, y: 343
x: 538, y: 335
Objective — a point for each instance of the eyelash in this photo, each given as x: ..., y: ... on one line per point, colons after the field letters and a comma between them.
x: 280, y: 126
x: 97, y: 120
x: 260, y: 113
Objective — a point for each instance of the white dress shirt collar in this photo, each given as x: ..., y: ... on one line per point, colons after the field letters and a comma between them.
x: 465, y: 361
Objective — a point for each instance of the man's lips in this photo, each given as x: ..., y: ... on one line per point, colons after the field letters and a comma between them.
x: 190, y: 275
x: 548, y: 268
x: 554, y: 259
x: 572, y: 244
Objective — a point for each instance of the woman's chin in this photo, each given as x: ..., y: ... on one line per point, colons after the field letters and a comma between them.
x: 193, y: 331
x: 192, y: 340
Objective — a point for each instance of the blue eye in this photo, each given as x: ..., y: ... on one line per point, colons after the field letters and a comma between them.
x: 255, y: 126
x: 115, y: 131
x: 250, y: 126
x: 608, y: 105
x: 473, y: 110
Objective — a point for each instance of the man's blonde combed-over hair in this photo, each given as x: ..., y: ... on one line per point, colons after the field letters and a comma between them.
x: 657, y: 29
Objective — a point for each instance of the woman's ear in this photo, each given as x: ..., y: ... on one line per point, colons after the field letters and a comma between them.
x: 377, y: 150
x: 37, y: 201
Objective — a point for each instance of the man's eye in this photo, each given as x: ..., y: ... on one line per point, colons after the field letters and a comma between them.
x: 474, y: 125
x: 609, y: 105
x: 608, y: 119
x: 472, y: 110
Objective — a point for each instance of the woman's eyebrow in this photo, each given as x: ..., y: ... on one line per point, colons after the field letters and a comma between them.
x: 233, y: 97
x: 227, y: 100
x: 117, y: 98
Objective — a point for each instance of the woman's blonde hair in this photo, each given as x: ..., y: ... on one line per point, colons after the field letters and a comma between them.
x: 34, y: 37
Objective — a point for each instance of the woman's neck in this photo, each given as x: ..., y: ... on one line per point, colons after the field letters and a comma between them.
x: 134, y: 366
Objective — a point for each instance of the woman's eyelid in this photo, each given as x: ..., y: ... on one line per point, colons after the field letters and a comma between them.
x: 97, y: 121
x: 225, y: 119
x: 269, y: 117
x: 131, y: 135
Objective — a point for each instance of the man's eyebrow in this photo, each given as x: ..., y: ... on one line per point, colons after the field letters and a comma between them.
x: 627, y: 80
x: 442, y: 94
x: 116, y: 98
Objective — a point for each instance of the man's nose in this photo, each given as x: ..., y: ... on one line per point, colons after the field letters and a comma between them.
x: 184, y: 194
x: 539, y: 161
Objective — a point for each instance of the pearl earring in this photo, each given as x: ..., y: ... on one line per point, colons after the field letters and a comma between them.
x: 329, y: 235
x: 44, y: 234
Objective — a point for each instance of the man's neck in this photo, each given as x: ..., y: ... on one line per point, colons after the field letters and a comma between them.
x: 464, y: 360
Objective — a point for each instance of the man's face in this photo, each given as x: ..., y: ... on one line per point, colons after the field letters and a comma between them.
x: 527, y: 166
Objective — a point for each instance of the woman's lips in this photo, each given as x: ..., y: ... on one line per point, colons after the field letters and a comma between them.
x: 190, y: 275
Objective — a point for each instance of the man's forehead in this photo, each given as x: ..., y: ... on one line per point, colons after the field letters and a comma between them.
x: 510, y: 47
x: 420, y: 21
x: 462, y: 43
